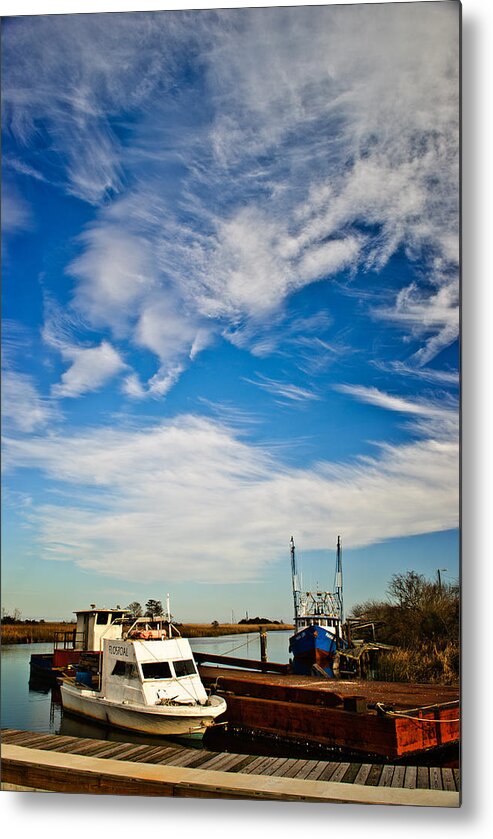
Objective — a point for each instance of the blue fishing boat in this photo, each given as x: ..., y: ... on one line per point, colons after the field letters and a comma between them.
x: 318, y: 620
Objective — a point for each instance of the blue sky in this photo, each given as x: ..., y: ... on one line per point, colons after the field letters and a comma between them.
x: 230, y: 304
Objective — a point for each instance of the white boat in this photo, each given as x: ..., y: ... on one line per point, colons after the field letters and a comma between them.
x: 148, y: 682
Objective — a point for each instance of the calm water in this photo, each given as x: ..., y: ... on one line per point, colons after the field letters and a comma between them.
x: 35, y: 707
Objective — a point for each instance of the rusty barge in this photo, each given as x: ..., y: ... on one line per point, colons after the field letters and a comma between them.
x: 389, y: 720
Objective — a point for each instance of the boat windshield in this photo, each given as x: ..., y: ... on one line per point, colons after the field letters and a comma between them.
x: 156, y: 670
x: 184, y: 667
x: 124, y: 668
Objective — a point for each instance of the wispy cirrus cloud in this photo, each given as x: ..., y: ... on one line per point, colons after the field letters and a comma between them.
x: 285, y: 392
x: 292, y: 160
x: 24, y: 409
x: 438, y: 417
x: 225, y: 508
x: 425, y: 374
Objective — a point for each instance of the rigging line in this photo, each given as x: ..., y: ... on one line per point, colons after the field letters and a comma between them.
x: 233, y: 649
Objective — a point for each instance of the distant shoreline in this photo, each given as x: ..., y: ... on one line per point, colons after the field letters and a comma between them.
x: 36, y: 633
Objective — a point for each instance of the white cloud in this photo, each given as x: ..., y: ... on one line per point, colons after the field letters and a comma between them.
x: 23, y: 408
x: 439, y: 418
x: 427, y: 374
x: 90, y: 369
x: 434, y: 315
x: 115, y: 272
x: 394, y: 403
x: 320, y: 140
x: 288, y: 393
x: 189, y: 499
x: 16, y: 214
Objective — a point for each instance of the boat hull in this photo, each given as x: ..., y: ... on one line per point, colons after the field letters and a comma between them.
x: 313, y: 645
x: 161, y: 720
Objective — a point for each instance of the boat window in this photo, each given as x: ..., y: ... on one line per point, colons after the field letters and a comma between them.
x: 102, y: 618
x: 156, y: 670
x: 184, y: 668
x: 124, y: 668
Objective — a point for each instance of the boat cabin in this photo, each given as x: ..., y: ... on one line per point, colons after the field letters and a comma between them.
x: 320, y: 608
x: 150, y: 672
x: 95, y: 624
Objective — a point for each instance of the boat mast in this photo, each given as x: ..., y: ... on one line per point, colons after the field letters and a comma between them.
x: 168, y: 612
x: 294, y: 577
x: 339, y: 578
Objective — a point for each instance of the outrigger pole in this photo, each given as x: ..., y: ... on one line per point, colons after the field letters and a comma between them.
x: 294, y: 578
x: 339, y: 577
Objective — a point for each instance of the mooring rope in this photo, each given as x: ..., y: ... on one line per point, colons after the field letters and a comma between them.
x: 381, y: 708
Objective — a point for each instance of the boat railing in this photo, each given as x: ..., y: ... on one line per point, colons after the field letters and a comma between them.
x: 151, y: 629
x: 67, y: 639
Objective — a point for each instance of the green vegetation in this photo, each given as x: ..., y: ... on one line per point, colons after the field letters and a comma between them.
x: 258, y: 621
x: 421, y: 618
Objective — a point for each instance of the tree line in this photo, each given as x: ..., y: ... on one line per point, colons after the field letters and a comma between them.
x: 421, y: 618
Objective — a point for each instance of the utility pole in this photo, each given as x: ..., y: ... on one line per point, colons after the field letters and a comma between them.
x: 440, y: 577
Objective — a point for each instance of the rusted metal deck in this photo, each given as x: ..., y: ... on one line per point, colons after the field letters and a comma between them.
x: 388, y: 719
x: 22, y: 765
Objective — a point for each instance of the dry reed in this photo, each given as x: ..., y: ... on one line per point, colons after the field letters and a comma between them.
x: 31, y: 633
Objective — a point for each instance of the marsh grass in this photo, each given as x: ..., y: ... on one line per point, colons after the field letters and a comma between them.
x: 427, y: 663
x: 31, y: 633
x: 204, y: 630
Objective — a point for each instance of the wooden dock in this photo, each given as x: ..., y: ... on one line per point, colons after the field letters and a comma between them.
x: 59, y: 763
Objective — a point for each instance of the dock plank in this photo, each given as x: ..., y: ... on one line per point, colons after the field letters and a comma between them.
x: 32, y: 740
x: 89, y: 747
x: 398, y: 776
x: 351, y: 773
x: 292, y: 771
x: 436, y: 778
x: 410, y: 777
x: 255, y: 765
x: 144, y: 753
x: 386, y: 776
x: 374, y: 775
x: 328, y: 771
x: 316, y: 772
x: 239, y: 767
x: 457, y: 778
x: 362, y: 774
x: 221, y: 762
x: 276, y: 766
x: 339, y: 772
x: 306, y: 769
x: 423, y: 780
x: 448, y: 779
